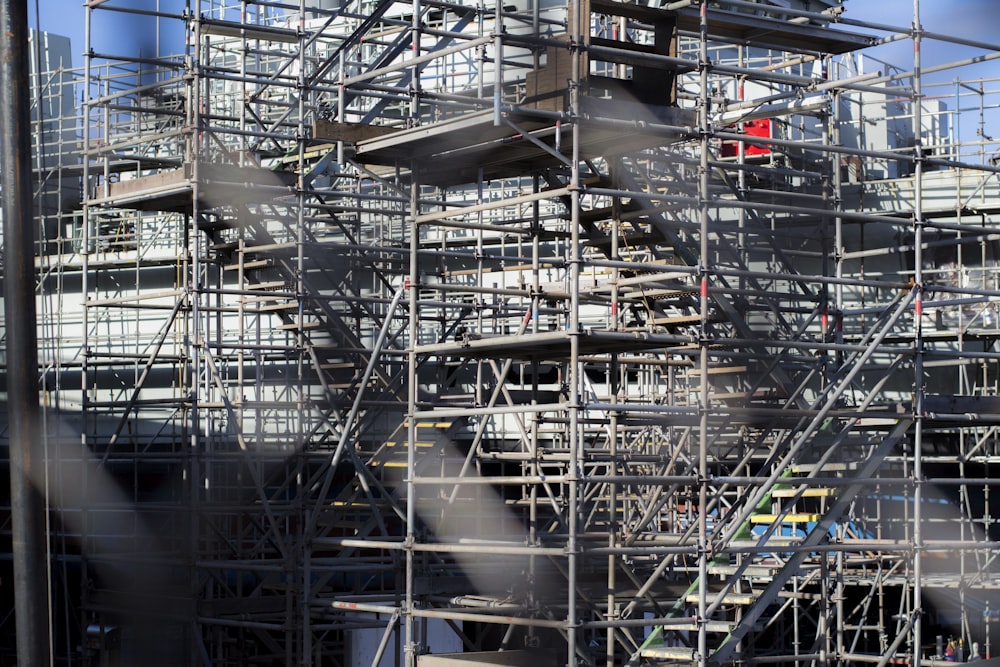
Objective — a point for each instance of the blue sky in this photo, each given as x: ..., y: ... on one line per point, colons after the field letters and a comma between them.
x: 970, y: 19
x: 115, y: 33
x: 974, y: 19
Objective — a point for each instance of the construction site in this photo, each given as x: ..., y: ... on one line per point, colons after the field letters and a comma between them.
x: 429, y: 333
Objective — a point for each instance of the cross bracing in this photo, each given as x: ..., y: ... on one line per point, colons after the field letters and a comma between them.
x: 591, y: 334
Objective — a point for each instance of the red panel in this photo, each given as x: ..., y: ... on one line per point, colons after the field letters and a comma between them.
x: 752, y: 128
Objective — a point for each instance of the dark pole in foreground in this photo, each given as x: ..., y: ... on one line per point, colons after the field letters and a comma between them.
x: 27, y: 510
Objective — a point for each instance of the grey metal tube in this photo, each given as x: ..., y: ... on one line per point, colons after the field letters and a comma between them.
x: 27, y: 508
x: 919, y: 388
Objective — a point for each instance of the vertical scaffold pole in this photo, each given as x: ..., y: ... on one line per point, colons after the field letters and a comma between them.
x: 918, y: 361
x: 703, y: 435
x: 578, y: 38
x: 26, y: 470
x: 409, y: 626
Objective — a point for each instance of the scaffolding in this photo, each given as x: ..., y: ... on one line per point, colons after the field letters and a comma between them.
x: 410, y: 333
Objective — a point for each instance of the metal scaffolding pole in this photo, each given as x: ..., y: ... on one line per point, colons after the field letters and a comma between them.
x: 24, y: 427
x: 650, y: 396
x: 916, y: 620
